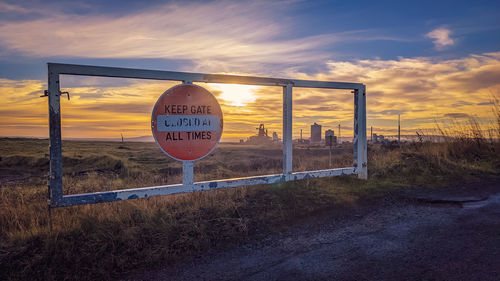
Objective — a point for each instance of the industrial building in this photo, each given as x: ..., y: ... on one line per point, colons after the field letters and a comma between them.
x: 330, y: 138
x: 262, y: 137
x: 315, y: 133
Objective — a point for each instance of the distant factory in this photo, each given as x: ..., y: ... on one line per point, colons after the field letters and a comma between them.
x: 330, y: 139
x: 316, y: 136
x: 262, y: 137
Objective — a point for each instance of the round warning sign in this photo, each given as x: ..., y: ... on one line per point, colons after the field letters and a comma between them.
x: 187, y: 122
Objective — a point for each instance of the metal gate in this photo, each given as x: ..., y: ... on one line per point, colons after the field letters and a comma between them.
x: 188, y: 185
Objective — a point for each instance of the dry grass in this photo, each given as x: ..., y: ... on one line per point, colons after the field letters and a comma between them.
x: 103, y: 241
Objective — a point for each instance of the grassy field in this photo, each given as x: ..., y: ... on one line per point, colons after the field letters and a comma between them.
x: 105, y: 241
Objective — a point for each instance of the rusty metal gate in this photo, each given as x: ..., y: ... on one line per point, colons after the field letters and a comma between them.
x: 188, y: 185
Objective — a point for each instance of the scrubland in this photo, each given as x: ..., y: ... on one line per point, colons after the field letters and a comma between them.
x: 105, y: 241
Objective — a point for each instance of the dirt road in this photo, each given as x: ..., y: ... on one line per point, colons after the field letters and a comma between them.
x: 448, y: 234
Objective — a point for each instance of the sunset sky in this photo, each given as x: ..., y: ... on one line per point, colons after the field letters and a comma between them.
x: 430, y: 61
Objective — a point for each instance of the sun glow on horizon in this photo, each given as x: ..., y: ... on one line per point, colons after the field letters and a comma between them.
x: 236, y: 95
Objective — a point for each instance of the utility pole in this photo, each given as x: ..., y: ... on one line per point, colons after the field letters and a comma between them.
x: 329, y: 141
x: 399, y: 128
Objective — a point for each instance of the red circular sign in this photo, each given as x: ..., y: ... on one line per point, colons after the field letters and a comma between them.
x: 187, y: 122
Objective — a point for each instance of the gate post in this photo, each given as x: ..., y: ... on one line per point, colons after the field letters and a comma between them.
x: 360, y: 149
x: 55, y: 174
x: 287, y: 131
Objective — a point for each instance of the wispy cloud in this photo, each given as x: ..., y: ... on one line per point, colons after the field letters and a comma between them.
x: 441, y: 38
x: 22, y: 111
x: 248, y: 37
x: 208, y: 33
x: 5, y: 7
x: 457, y: 115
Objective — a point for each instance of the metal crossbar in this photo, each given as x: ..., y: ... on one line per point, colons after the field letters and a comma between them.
x: 56, y: 168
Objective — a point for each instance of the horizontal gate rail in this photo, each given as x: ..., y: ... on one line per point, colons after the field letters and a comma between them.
x: 104, y: 71
x: 57, y: 199
x: 145, y: 192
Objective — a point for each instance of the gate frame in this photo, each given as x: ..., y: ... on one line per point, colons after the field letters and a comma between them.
x: 56, y: 198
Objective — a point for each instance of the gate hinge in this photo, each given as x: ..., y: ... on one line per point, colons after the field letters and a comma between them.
x: 46, y: 93
x: 64, y: 93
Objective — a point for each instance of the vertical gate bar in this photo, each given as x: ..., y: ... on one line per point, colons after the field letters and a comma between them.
x: 187, y: 166
x: 55, y: 175
x: 187, y: 173
x: 362, y: 149
x: 287, y: 131
x: 355, y: 140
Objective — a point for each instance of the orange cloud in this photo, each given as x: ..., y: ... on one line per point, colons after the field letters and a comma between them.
x: 22, y: 111
x: 424, y: 91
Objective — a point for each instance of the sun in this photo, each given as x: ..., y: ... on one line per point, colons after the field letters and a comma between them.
x: 236, y: 95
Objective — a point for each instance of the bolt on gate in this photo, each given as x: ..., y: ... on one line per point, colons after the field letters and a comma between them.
x: 188, y: 185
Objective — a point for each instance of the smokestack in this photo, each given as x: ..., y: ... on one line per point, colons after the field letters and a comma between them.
x: 339, y: 135
x: 399, y: 127
x: 371, y: 133
x: 300, y: 134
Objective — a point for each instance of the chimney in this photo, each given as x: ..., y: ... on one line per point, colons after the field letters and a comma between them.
x: 399, y: 128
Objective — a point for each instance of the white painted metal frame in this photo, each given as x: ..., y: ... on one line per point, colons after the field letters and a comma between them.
x: 188, y: 185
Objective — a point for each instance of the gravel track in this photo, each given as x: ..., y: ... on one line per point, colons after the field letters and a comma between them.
x: 445, y: 234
